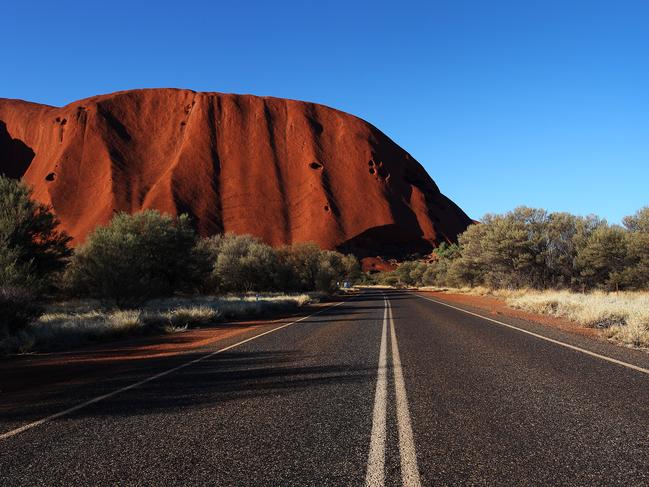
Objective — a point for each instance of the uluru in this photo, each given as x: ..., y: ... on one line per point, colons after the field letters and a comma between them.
x: 286, y: 171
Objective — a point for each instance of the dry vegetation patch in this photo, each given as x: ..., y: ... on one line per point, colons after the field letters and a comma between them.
x: 622, y: 317
x: 74, y: 323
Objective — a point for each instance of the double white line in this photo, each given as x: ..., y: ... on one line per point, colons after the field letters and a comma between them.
x: 376, y: 461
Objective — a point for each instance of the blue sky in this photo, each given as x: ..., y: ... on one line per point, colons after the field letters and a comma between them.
x: 505, y: 103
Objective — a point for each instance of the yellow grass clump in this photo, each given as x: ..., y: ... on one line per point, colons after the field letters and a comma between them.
x: 624, y: 316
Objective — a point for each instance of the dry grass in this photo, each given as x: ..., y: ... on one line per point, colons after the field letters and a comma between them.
x: 623, y: 317
x: 70, y: 324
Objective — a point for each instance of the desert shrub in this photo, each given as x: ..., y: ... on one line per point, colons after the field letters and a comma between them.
x: 384, y: 278
x: 18, y: 307
x: 564, y: 234
x: 332, y: 270
x: 601, y: 260
x: 410, y: 273
x: 530, y: 248
x: 507, y: 250
x: 636, y: 272
x: 299, y: 265
x: 352, y: 268
x: 16, y: 272
x: 639, y: 222
x: 32, y: 249
x: 436, y: 273
x: 137, y: 257
x: 305, y: 267
x: 243, y: 263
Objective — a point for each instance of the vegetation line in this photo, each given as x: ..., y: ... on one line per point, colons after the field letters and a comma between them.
x: 142, y: 273
x: 580, y: 268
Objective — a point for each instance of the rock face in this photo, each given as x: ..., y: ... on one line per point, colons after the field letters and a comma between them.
x: 283, y: 170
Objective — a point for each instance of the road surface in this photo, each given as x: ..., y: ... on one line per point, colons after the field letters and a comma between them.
x: 385, y: 388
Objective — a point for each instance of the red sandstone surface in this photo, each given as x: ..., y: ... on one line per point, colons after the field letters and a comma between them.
x: 283, y: 170
x: 377, y: 264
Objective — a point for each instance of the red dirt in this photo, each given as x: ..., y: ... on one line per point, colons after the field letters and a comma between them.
x: 33, y: 372
x: 283, y: 170
x: 496, y: 306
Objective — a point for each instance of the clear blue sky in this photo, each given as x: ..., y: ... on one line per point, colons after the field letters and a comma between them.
x: 505, y: 103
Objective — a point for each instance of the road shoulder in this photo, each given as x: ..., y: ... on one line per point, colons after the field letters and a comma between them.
x: 554, y: 328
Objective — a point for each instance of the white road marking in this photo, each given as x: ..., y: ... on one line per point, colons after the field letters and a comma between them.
x: 97, y: 399
x: 409, y: 468
x: 376, y: 461
x: 375, y: 476
x: 551, y: 340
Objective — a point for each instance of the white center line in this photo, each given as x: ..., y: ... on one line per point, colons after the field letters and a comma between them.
x: 409, y: 468
x: 97, y: 399
x: 551, y: 340
x: 376, y: 461
x: 375, y: 476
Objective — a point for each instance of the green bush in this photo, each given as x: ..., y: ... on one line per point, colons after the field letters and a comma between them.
x: 331, y: 271
x: 244, y: 263
x: 32, y: 249
x: 636, y: 272
x: 533, y: 248
x: 601, y: 260
x: 18, y: 307
x: 299, y: 266
x: 138, y: 257
x: 14, y: 271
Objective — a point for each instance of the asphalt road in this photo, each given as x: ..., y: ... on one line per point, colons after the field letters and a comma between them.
x: 387, y: 388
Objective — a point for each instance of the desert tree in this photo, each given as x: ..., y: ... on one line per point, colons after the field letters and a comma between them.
x: 636, y: 274
x: 601, y: 258
x: 32, y: 248
x: 32, y: 251
x: 138, y: 257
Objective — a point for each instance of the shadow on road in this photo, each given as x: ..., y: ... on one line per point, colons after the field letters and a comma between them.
x: 227, y: 376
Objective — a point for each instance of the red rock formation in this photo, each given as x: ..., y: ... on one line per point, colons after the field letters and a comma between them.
x: 377, y: 264
x: 284, y: 170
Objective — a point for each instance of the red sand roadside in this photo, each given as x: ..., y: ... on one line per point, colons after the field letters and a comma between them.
x: 497, y: 306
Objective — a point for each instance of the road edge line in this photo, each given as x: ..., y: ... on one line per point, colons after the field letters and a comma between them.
x: 537, y: 335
